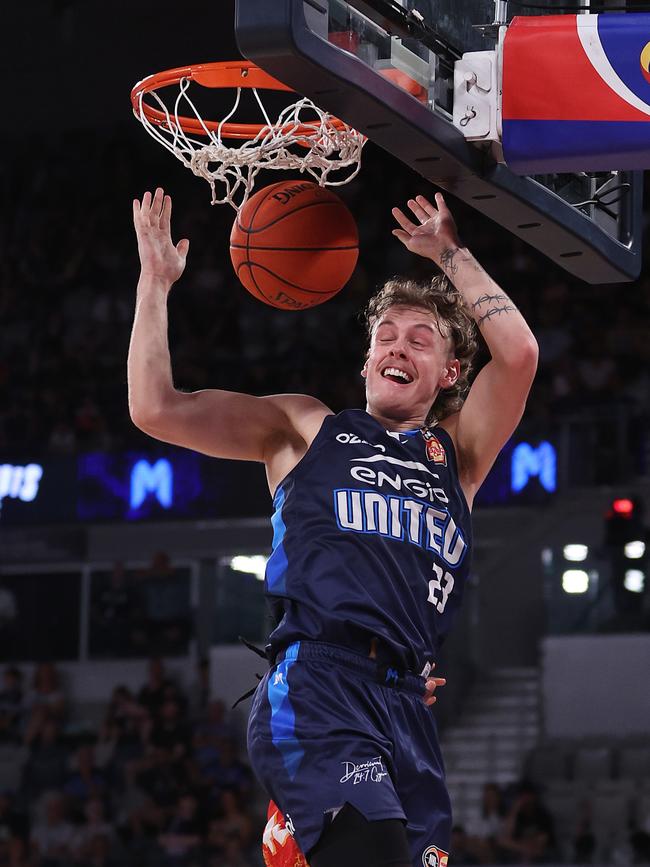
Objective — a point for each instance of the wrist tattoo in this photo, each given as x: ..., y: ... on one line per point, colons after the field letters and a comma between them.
x: 447, y: 260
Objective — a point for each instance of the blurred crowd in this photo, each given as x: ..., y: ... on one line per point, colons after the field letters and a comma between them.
x: 160, y: 783
x: 68, y: 270
x: 517, y: 826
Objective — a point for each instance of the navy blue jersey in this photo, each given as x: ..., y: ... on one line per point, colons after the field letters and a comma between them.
x: 372, y: 538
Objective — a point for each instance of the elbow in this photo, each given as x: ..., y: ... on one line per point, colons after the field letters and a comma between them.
x: 145, y: 418
x: 518, y: 359
x: 530, y: 353
x: 524, y: 356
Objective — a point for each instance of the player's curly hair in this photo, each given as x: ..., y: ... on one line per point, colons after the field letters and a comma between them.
x: 437, y: 296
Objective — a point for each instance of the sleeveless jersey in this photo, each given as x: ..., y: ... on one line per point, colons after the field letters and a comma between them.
x: 371, y: 538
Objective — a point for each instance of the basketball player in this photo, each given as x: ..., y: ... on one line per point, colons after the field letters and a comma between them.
x: 372, y: 534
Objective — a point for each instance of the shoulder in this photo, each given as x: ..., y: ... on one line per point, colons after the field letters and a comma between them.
x: 304, y: 413
x: 450, y: 426
x: 305, y: 416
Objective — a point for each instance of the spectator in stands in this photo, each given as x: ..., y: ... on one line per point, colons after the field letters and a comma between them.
x: 152, y: 694
x: 229, y: 772
x: 584, y: 840
x: 47, y: 763
x: 94, y: 839
x: 214, y: 723
x: 86, y: 781
x: 113, y: 615
x: 461, y: 849
x: 182, y: 835
x: 165, y: 596
x: 528, y: 834
x: 11, y: 705
x: 170, y: 733
x: 123, y: 717
x: 487, y: 829
x: 52, y: 838
x: 232, y: 821
x: 46, y: 701
x: 14, y: 833
x: 233, y: 855
x: 161, y: 776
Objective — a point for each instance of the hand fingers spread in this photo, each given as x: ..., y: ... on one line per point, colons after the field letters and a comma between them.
x: 403, y: 220
x: 442, y: 205
x: 165, y: 216
x: 423, y: 202
x: 403, y: 236
x: 418, y: 210
x: 156, y: 205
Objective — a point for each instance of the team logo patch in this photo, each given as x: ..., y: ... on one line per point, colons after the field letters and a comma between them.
x: 278, y: 845
x: 434, y: 857
x: 435, y: 449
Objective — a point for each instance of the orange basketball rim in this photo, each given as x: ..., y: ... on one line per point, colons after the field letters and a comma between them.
x: 231, y: 153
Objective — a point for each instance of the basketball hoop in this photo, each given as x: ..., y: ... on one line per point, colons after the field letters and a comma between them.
x: 304, y: 138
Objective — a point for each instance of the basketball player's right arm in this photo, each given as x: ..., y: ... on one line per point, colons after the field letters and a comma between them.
x: 215, y: 422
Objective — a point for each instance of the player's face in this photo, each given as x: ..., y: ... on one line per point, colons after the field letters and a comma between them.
x: 410, y: 360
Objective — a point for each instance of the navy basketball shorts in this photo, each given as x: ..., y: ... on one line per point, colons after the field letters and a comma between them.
x: 330, y: 727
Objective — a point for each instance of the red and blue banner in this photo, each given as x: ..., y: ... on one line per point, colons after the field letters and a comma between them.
x: 576, y: 93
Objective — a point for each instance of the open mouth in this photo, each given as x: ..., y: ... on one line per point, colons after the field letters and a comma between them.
x: 397, y: 375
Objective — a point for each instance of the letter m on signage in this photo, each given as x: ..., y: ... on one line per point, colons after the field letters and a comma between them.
x: 157, y: 479
x: 529, y: 462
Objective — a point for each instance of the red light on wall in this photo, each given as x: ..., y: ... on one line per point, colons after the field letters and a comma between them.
x: 623, y: 507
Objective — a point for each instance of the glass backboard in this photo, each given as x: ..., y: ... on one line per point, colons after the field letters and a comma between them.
x: 387, y: 67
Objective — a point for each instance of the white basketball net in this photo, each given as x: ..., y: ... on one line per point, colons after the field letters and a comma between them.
x: 331, y: 147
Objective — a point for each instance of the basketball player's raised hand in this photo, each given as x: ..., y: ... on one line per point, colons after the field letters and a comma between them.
x: 433, y: 232
x: 159, y: 256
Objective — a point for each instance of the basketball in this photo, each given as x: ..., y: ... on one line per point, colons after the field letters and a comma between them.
x: 294, y: 244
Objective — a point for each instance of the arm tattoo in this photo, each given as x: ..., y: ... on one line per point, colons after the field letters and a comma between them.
x: 495, y: 310
x: 486, y: 299
x: 448, y: 264
x: 447, y: 260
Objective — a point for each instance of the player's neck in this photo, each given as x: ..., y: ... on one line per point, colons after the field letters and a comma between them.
x: 397, y: 425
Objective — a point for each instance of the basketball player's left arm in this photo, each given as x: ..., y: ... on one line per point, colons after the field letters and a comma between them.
x: 497, y: 398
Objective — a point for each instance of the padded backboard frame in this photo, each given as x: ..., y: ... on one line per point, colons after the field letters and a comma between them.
x: 280, y: 36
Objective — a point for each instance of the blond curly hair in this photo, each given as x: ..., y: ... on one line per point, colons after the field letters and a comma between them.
x: 437, y: 296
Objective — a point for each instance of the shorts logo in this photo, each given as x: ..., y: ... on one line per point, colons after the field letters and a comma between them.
x: 434, y: 857
x: 275, y: 834
x: 435, y: 449
x: 370, y: 771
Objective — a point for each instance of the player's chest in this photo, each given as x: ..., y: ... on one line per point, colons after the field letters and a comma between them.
x: 413, y: 465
